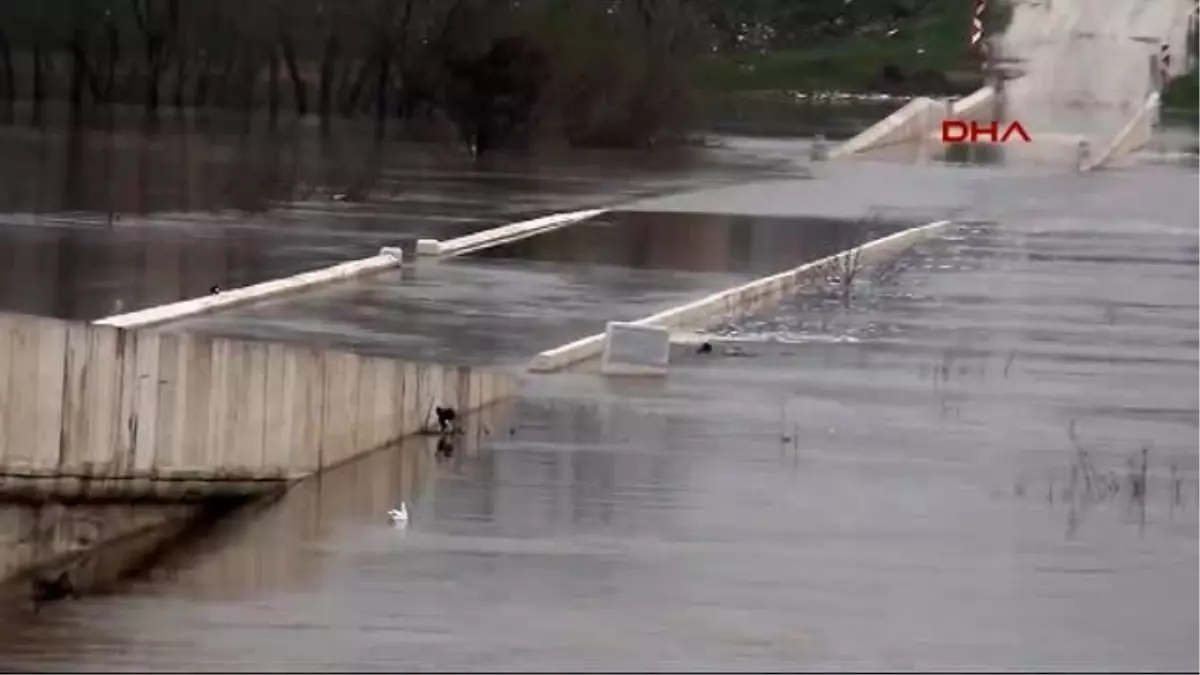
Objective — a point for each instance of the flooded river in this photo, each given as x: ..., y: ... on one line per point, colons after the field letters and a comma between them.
x: 948, y: 474
x: 93, y: 224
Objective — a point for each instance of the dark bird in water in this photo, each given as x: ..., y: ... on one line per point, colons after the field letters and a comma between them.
x: 705, y: 348
x: 215, y: 290
x: 446, y: 418
x: 445, y: 448
x: 49, y: 590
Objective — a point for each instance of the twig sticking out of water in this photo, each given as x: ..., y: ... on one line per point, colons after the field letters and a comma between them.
x: 1012, y: 356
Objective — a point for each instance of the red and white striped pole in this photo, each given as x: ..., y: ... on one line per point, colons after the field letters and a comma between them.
x: 977, y: 41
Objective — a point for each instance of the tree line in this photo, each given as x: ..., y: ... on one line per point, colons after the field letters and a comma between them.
x: 595, y: 72
x: 496, y: 72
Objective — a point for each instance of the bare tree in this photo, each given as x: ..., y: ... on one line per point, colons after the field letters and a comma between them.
x: 158, y: 24
x: 500, y: 71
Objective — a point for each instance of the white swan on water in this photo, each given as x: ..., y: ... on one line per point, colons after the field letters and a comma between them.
x: 399, y: 516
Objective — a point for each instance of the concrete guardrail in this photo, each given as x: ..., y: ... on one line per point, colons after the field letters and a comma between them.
x: 388, y: 258
x: 503, y: 234
x: 917, y: 120
x: 741, y: 299
x: 1136, y: 134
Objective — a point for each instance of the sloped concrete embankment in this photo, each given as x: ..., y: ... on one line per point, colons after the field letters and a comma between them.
x: 917, y: 120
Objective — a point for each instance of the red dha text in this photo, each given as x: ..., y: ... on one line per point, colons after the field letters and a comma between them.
x: 957, y: 131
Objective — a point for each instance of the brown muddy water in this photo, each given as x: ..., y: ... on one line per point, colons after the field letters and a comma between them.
x: 947, y: 474
x: 503, y: 305
x: 94, y: 224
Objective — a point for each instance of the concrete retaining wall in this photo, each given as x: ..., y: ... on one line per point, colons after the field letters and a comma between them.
x: 1136, y: 134
x: 85, y: 407
x: 749, y: 297
x: 388, y: 258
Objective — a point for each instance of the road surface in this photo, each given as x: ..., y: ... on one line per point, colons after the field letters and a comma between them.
x: 1087, y: 66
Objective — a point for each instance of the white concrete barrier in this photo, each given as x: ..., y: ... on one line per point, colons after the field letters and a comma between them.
x: 503, y: 234
x: 979, y: 104
x: 632, y: 349
x: 388, y: 258
x: 911, y: 121
x: 749, y: 297
x: 1133, y: 136
x: 920, y: 118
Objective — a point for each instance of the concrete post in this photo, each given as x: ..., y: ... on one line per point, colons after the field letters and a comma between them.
x: 1083, y: 155
x: 819, y: 150
x: 631, y: 349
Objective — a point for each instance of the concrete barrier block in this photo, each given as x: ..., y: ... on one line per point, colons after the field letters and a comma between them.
x: 168, y: 426
x: 476, y: 397
x: 50, y: 367
x: 126, y: 415
x: 280, y: 401
x: 341, y: 407
x: 429, y: 247
x: 431, y: 394
x: 248, y: 443
x: 20, y: 378
x: 455, y: 391
x: 412, y: 415
x: 632, y: 349
x: 393, y: 252
x: 363, y: 423
x: 224, y: 373
x: 305, y: 377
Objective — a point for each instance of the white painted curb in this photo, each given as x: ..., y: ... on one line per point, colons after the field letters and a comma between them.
x: 388, y: 258
x: 747, y: 297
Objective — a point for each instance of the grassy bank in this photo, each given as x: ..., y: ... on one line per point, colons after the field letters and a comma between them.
x: 1183, y: 93
x: 927, y: 54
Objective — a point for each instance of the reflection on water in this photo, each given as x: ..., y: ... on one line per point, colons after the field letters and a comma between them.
x: 696, y: 242
x: 94, y: 223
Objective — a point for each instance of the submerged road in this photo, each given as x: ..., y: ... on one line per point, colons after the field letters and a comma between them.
x: 893, y: 491
x: 93, y: 225
x: 507, y: 303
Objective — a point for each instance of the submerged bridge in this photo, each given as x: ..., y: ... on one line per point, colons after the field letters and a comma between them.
x: 1084, y: 81
x: 121, y: 410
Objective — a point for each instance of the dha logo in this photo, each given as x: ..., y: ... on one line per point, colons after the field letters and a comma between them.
x: 957, y: 131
